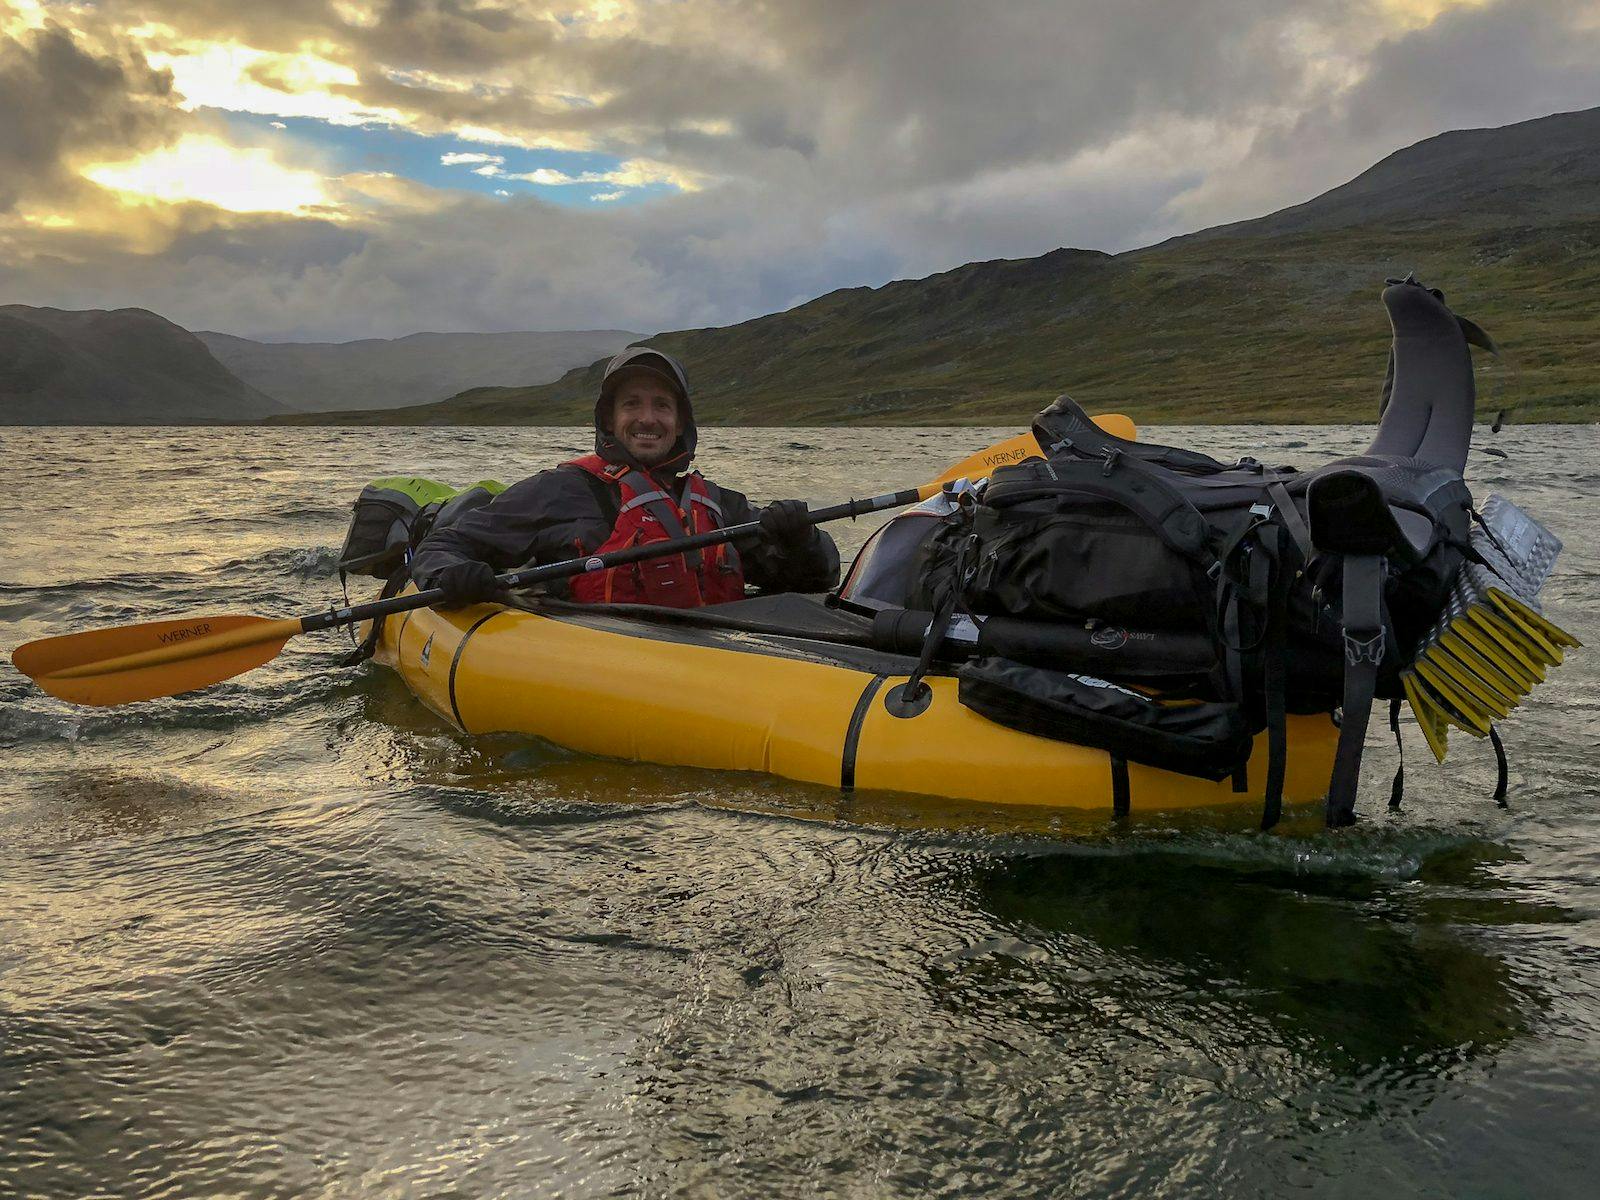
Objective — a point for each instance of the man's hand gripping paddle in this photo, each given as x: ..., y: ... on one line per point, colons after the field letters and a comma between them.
x: 167, y: 658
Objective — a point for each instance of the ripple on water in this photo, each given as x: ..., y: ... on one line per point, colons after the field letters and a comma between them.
x: 295, y: 936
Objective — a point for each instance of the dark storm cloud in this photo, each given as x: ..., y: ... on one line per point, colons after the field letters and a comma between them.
x: 58, y: 99
x: 839, y: 143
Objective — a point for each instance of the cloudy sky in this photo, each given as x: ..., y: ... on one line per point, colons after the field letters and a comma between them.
x: 331, y: 169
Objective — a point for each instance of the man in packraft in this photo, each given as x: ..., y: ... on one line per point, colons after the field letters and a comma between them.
x: 636, y: 488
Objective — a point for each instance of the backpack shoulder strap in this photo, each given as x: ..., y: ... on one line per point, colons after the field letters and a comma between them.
x: 1064, y: 430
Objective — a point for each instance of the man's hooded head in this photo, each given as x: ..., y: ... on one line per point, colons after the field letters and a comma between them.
x: 630, y: 379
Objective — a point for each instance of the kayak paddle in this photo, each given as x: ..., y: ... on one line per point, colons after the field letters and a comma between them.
x: 165, y: 658
x: 1013, y: 450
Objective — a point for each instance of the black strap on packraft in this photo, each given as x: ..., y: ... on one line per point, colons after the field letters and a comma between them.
x: 1397, y: 789
x: 907, y: 700
x: 1275, y: 672
x: 368, y: 646
x: 1364, y: 637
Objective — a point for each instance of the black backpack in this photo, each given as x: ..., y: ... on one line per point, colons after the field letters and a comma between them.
x: 1314, y: 588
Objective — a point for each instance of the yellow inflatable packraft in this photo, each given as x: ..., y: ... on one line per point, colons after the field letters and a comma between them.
x: 659, y: 691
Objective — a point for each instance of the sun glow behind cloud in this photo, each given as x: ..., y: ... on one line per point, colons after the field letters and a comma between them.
x: 1414, y: 14
x: 243, y: 79
x: 210, y: 171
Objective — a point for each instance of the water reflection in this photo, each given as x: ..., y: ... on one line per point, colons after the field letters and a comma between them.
x: 1354, y: 971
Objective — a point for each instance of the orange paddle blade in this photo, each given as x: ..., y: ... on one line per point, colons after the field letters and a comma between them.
x: 1118, y: 426
x: 159, y: 658
x: 1013, y: 450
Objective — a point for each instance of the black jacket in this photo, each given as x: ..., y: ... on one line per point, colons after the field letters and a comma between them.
x: 566, y: 512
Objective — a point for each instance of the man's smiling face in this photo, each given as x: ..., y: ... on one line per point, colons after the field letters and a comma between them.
x: 645, y: 418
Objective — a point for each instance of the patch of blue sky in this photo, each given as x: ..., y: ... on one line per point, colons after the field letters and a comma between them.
x: 348, y: 149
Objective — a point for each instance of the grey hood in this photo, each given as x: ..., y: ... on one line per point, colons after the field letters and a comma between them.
x: 664, y: 365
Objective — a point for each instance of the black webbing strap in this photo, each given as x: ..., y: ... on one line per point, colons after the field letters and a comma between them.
x: 1397, y: 789
x: 940, y: 624
x: 368, y: 645
x: 355, y: 646
x: 1231, y: 633
x: 1236, y: 631
x: 1504, y: 780
x: 1121, y: 792
x: 1476, y: 335
x: 1283, y: 503
x: 1275, y: 671
x: 1363, y: 651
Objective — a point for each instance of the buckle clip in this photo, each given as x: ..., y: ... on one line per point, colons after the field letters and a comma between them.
x: 1261, y: 509
x: 1358, y: 650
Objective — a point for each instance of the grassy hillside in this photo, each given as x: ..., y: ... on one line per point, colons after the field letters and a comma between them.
x: 1276, y: 319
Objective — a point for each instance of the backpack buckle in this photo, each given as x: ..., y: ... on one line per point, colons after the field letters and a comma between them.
x: 1358, y: 650
x: 1261, y: 509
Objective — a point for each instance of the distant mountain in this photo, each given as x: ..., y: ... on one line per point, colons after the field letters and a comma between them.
x: 126, y: 366
x: 1274, y: 319
x: 388, y: 373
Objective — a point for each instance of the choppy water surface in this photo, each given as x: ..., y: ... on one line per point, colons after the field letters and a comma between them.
x: 294, y: 937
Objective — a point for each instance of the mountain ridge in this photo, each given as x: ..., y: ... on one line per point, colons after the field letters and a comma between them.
x: 1279, y: 312
x: 420, y: 367
x: 114, y: 366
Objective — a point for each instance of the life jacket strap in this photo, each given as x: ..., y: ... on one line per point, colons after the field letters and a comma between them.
x: 659, y: 505
x: 727, y: 553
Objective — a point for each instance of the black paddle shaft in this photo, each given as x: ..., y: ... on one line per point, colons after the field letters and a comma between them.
x: 601, y: 562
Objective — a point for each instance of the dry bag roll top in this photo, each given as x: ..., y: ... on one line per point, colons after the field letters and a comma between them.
x: 391, y: 515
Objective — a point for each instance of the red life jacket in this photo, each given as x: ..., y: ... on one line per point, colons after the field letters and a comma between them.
x: 647, y: 513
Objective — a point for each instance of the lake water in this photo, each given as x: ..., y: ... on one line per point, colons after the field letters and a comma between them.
x: 293, y: 936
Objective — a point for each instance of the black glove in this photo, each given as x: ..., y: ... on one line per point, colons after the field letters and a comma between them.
x: 465, y: 583
x: 784, y: 523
